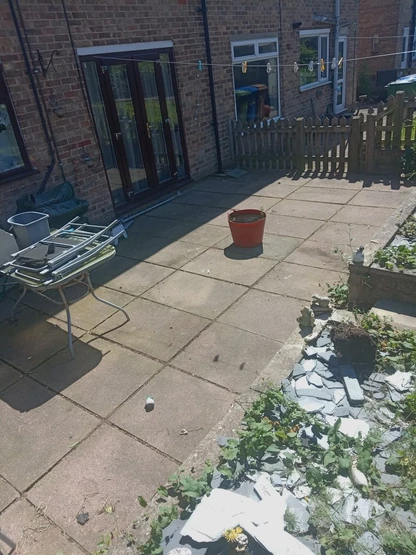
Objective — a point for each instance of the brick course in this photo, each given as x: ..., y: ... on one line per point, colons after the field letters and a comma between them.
x: 106, y: 22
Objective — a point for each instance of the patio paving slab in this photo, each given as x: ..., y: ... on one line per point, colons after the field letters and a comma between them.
x: 322, y: 255
x: 290, y: 226
x: 337, y: 232
x: 181, y: 402
x: 333, y: 183
x: 191, y: 232
x: 6, y: 305
x: 164, y: 252
x: 199, y: 198
x: 8, y: 375
x: 379, y: 199
x: 148, y: 226
x: 273, y: 247
x: 277, y: 190
x: 327, y: 195
x: 130, y: 276
x: 100, y: 377
x: 108, y: 468
x: 154, y: 329
x: 297, y: 281
x: 304, y: 209
x: 215, y: 263
x: 200, y: 295
x: 86, y: 313
x: 265, y: 314
x: 177, y: 211
x: 362, y: 215
x: 33, y: 533
x: 258, y: 203
x: 217, y: 185
x: 7, y: 495
x: 228, y: 356
x: 38, y: 428
x: 30, y: 339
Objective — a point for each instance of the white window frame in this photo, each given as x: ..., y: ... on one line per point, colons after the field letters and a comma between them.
x: 403, y: 60
x: 257, y: 56
x: 320, y: 33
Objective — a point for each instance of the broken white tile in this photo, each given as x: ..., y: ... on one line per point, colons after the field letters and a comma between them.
x: 401, y: 381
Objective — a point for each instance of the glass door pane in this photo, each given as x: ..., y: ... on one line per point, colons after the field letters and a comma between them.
x: 128, y: 127
x: 103, y: 132
x: 154, y: 124
x: 173, y: 115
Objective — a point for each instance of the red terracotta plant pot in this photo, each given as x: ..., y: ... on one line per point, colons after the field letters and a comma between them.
x: 247, y: 227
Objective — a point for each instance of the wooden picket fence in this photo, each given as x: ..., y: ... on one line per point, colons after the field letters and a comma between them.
x: 328, y: 146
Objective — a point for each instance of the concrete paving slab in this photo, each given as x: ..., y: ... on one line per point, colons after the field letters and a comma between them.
x: 277, y: 189
x: 265, y: 314
x: 228, y: 356
x: 326, y: 195
x: 86, y: 313
x: 215, y: 263
x: 199, y: 234
x: 379, y: 199
x: 182, y: 402
x: 297, y: 281
x: 290, y: 226
x: 273, y: 247
x: 337, y: 232
x: 8, y: 375
x: 258, y: 203
x: 38, y: 429
x: 148, y: 225
x: 199, y: 198
x: 7, y: 304
x: 216, y: 185
x: 30, y: 340
x: 303, y: 209
x: 7, y: 495
x: 177, y: 211
x: 108, y: 469
x: 200, y: 295
x: 333, y: 183
x: 34, y: 533
x: 101, y: 376
x: 154, y: 329
x: 165, y: 252
x: 130, y: 276
x: 322, y: 255
x: 361, y: 215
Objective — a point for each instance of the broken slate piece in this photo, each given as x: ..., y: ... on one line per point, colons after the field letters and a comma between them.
x: 324, y: 373
x: 310, y: 352
x: 301, y: 492
x: 341, y: 410
x: 298, y: 371
x: 309, y: 364
x: 222, y: 441
x: 310, y: 405
x: 395, y: 396
x: 329, y: 407
x: 329, y: 358
x: 379, y: 396
x: 388, y: 437
x: 276, y: 480
x: 377, y: 377
x: 293, y: 479
x: 83, y: 518
x: 353, y: 388
x: 339, y: 395
x: 289, y: 391
x: 323, y: 341
x: 299, y: 511
x: 351, y: 427
x: 314, y: 379
x: 355, y: 412
x: 315, y: 392
x: 390, y: 479
x: 401, y: 381
x: 369, y: 388
x: 368, y: 543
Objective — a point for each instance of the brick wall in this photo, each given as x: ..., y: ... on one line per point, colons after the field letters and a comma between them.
x: 110, y: 22
x: 385, y: 18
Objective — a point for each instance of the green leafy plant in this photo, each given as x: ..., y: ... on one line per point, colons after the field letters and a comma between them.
x: 408, y: 229
x: 290, y: 521
x: 166, y: 515
x: 403, y: 257
x: 187, y: 489
x: 338, y: 293
x: 409, y: 162
x: 104, y: 544
x: 399, y: 544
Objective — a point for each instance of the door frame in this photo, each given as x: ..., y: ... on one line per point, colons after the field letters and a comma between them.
x: 136, y: 90
x: 343, y: 78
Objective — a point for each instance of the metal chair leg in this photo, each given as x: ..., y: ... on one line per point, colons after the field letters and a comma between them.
x: 91, y: 288
x: 68, y: 321
x: 16, y: 303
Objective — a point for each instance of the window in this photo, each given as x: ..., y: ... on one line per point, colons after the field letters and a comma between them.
x: 314, y: 47
x: 405, y: 48
x: 13, y: 157
x: 256, y: 79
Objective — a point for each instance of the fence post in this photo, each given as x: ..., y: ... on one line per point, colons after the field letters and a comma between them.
x: 355, y: 144
x: 370, y: 143
x: 398, y: 119
x: 300, y: 144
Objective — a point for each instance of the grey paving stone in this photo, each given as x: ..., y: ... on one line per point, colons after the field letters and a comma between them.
x: 315, y: 392
x: 353, y: 388
x: 314, y: 379
x: 390, y: 479
x: 332, y: 385
x: 341, y: 411
x: 311, y: 405
x: 298, y: 371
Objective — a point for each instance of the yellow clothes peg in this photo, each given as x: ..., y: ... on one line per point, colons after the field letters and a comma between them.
x: 244, y: 67
x: 340, y: 62
x: 322, y: 65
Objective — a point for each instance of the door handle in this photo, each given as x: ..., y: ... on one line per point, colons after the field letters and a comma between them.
x: 149, y: 130
x: 117, y: 136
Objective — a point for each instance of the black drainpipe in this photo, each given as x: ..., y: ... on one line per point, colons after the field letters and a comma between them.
x: 36, y: 96
x: 211, y: 85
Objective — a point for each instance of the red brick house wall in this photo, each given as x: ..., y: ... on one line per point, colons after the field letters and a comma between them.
x: 109, y: 22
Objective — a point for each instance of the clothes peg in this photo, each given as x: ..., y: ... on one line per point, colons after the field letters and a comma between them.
x: 244, y: 67
x: 334, y: 63
x: 295, y: 67
x: 322, y: 66
x: 310, y: 66
x: 340, y: 62
x: 269, y: 67
x: 200, y: 67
